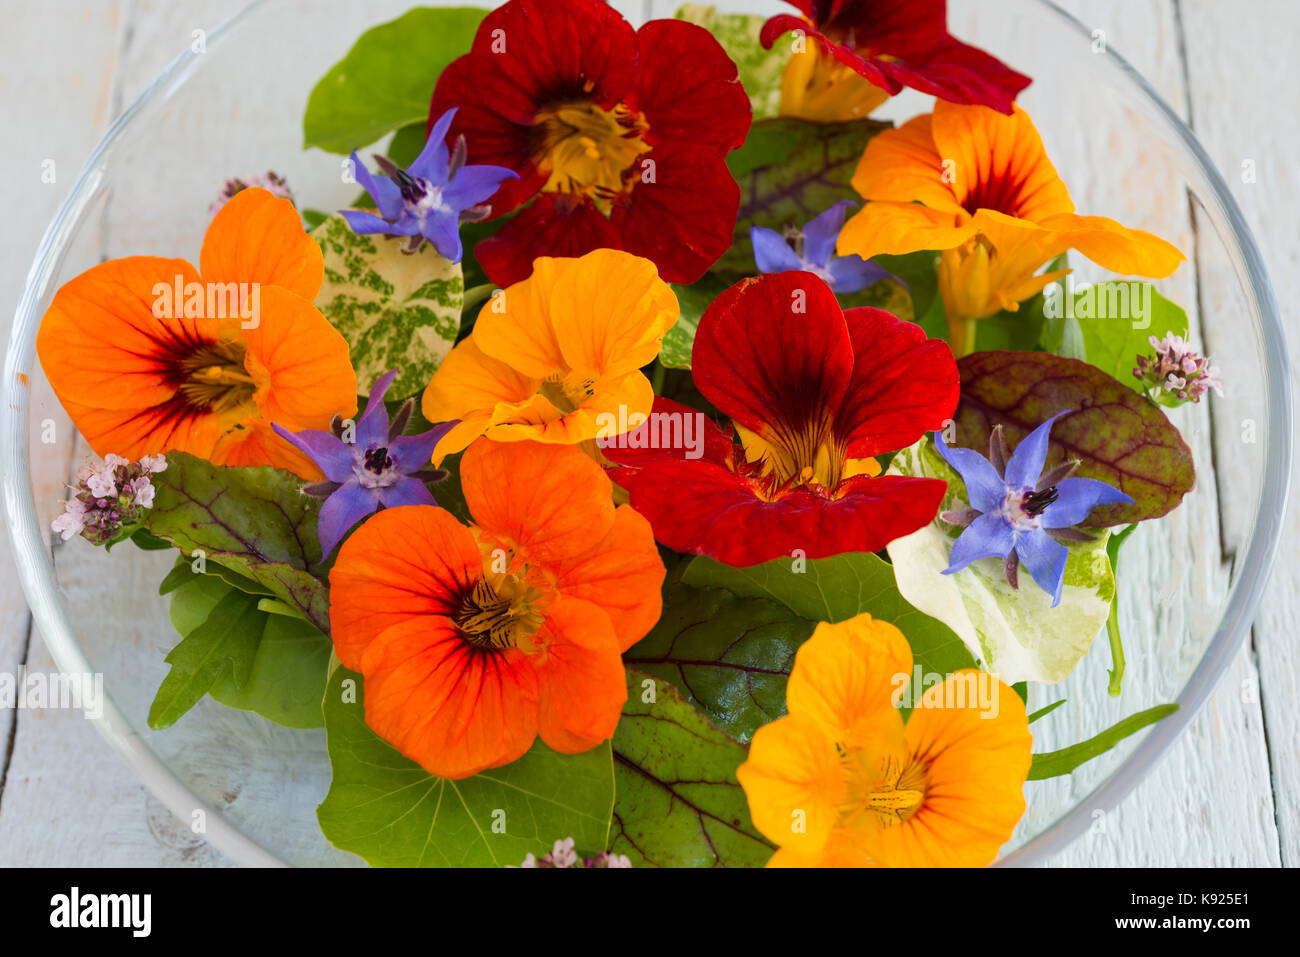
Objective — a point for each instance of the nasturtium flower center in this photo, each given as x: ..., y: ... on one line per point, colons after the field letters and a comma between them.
x: 589, y: 150
x: 569, y: 391
x: 810, y: 455
x: 500, y: 611
x: 881, y: 789
x: 214, y: 378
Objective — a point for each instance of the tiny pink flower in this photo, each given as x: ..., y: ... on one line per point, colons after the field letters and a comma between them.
x: 109, y: 499
x: 72, y: 521
x: 1176, y: 374
x: 271, y: 182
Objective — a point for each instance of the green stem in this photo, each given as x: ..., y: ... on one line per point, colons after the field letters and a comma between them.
x: 961, y: 335
x: 657, y: 378
x: 1116, y: 650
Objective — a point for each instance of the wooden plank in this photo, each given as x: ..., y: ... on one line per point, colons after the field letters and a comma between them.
x: 69, y: 80
x: 1209, y: 800
x: 1238, y: 63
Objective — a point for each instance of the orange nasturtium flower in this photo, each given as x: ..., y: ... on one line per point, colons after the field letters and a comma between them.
x: 842, y: 781
x: 151, y: 355
x: 978, y: 185
x: 473, y: 641
x: 556, y: 358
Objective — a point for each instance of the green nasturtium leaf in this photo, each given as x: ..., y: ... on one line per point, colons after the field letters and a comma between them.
x: 1116, y: 319
x: 253, y: 522
x: 224, y: 643
x: 790, y: 170
x: 678, y: 802
x: 837, y: 588
x: 1050, y: 764
x: 286, y: 680
x: 390, y: 811
x: 729, y: 656
x: 1119, y: 436
x: 396, y: 310
x: 1015, y: 632
x: 386, y: 80
x: 760, y: 70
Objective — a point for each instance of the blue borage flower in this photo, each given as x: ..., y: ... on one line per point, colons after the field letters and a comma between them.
x: 379, y: 467
x: 430, y: 199
x: 1019, y: 513
x: 812, y: 249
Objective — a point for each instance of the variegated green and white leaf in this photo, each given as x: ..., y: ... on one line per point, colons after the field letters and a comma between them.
x: 760, y: 70
x: 1015, y: 632
x: 397, y: 310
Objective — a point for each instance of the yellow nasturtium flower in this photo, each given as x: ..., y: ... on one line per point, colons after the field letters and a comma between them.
x: 842, y: 781
x: 978, y: 185
x: 556, y: 358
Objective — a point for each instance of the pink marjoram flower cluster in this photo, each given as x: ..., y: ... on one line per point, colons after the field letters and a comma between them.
x: 563, y: 855
x: 1176, y: 374
x: 272, y: 182
x: 107, y: 496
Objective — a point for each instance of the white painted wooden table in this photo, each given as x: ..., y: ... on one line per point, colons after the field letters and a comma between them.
x: 1227, y: 794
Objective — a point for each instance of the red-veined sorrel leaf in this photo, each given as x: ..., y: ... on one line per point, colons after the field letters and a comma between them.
x: 1119, y: 436
x: 789, y: 170
x: 252, y: 521
x: 677, y: 801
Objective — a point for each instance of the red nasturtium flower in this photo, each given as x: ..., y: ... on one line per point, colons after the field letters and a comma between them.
x: 898, y: 43
x: 473, y: 641
x: 814, y: 393
x: 618, y: 135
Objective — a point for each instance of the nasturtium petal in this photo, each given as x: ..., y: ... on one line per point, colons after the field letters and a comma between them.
x: 848, y: 674
x: 257, y: 237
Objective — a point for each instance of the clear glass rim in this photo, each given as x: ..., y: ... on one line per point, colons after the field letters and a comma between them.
x: 36, y: 573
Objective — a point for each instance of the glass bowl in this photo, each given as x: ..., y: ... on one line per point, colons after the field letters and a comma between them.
x: 1189, y: 583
